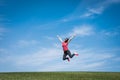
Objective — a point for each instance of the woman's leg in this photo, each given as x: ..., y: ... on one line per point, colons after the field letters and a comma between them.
x: 64, y: 56
x: 70, y: 55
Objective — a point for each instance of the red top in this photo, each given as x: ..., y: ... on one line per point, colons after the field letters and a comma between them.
x: 65, y: 46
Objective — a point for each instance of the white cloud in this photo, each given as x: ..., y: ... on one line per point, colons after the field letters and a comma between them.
x: 93, y: 66
x: 2, y: 50
x: 99, y: 8
x: 96, y: 11
x: 41, y: 57
x: 1, y: 38
x: 112, y: 1
x: 65, y: 20
x: 49, y: 38
x: 91, y: 11
x: 86, y: 61
x: 25, y: 43
x: 109, y: 33
x: 113, y: 32
x: 74, y: 65
x: 84, y: 30
x: 117, y: 59
x: 2, y: 31
x: 50, y: 59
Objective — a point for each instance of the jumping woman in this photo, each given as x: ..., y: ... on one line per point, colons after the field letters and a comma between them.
x: 65, y: 48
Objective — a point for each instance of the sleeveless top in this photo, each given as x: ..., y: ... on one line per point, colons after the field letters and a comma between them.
x: 65, y: 46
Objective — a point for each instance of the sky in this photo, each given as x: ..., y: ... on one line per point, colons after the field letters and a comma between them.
x: 28, y: 30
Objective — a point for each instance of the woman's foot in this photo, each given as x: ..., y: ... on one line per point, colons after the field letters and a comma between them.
x: 76, y: 54
x: 68, y: 60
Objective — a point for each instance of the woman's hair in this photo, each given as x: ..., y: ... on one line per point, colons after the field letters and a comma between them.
x: 66, y: 39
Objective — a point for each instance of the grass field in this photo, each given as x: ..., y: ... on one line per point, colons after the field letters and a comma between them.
x: 60, y: 76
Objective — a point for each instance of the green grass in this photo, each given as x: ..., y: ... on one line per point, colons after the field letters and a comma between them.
x: 60, y: 76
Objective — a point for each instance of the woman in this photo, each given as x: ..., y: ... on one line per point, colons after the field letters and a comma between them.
x: 65, y: 48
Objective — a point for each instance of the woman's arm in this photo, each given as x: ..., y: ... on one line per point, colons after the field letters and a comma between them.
x: 71, y: 38
x: 59, y: 38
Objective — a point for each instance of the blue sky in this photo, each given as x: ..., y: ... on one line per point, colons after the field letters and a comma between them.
x: 28, y: 30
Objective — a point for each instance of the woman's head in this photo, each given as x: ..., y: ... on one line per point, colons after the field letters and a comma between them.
x: 66, y: 39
